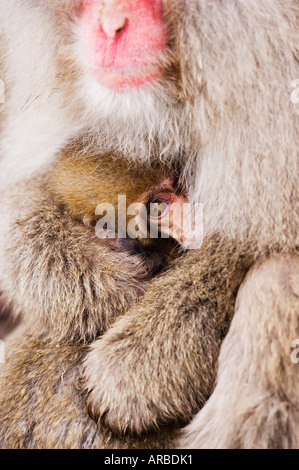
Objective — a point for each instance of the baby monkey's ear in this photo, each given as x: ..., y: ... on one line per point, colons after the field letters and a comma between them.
x: 90, y: 221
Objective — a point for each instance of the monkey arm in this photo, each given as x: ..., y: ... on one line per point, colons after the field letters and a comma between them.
x: 58, y: 274
x: 256, y: 401
x: 157, y: 364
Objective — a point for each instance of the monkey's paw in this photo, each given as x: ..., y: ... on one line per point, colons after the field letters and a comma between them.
x: 125, y: 392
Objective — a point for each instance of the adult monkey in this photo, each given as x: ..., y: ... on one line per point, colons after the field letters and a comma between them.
x: 208, y: 83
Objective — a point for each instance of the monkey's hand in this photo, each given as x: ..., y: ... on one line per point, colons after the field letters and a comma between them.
x: 157, y: 364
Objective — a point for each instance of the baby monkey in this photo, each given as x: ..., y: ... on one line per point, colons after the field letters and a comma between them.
x: 69, y: 316
x: 135, y: 209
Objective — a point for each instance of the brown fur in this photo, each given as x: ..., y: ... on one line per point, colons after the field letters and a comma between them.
x: 43, y: 376
x: 223, y: 109
x: 161, y: 340
x: 73, y: 189
x: 39, y: 244
x: 200, y: 314
x: 7, y: 320
x: 82, y: 181
x: 257, y: 378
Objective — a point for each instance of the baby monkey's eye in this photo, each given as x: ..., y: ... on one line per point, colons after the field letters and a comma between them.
x: 159, y: 207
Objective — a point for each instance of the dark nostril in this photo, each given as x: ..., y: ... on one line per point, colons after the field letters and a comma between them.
x: 120, y: 30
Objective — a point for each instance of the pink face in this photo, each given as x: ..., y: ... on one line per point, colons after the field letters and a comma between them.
x: 123, y: 41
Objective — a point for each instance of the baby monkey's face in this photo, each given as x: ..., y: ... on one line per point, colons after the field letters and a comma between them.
x: 161, y: 210
x: 135, y: 209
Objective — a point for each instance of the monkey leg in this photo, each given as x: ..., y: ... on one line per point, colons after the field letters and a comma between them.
x: 256, y: 401
x: 42, y: 405
x: 157, y: 364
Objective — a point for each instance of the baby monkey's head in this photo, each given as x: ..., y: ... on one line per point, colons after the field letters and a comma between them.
x: 136, y: 209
